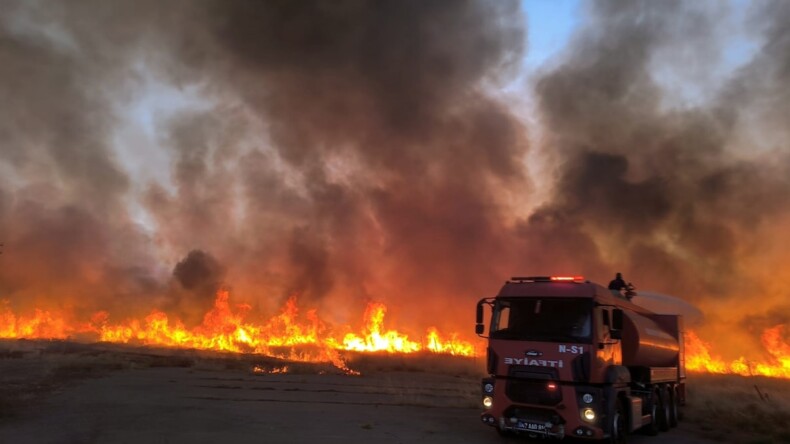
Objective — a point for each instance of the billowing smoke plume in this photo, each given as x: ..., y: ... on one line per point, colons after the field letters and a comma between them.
x: 354, y: 150
x: 348, y: 151
x: 685, y: 199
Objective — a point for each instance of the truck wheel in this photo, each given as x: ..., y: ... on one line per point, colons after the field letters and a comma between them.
x: 619, y: 425
x: 674, y: 407
x: 652, y: 428
x: 664, y: 410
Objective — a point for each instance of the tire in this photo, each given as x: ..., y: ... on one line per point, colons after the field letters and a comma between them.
x: 653, y: 406
x: 619, y: 425
x: 664, y: 410
x: 674, y: 407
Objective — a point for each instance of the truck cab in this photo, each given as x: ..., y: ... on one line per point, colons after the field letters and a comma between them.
x: 568, y: 357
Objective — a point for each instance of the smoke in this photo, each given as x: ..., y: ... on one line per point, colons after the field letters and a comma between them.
x: 381, y: 108
x: 348, y: 151
x: 62, y: 219
x: 200, y: 273
x: 354, y: 150
x: 676, y: 196
x: 197, y: 278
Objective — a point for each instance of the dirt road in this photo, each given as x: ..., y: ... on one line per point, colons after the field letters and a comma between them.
x: 192, y: 405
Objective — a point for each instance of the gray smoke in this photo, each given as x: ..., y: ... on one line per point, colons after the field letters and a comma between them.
x: 677, y: 197
x: 350, y: 149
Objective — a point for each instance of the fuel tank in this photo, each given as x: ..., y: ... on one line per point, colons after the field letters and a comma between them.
x: 646, y: 343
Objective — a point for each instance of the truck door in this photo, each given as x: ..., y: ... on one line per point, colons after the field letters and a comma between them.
x: 608, y: 350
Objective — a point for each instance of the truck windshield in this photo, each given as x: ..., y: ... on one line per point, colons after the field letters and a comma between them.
x: 543, y: 319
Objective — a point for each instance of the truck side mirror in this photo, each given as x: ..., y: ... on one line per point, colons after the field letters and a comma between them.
x: 480, y: 328
x: 617, y: 324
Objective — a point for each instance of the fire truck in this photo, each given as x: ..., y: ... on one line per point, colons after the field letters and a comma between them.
x: 570, y: 358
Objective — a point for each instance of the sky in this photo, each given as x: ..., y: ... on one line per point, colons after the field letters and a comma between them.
x: 550, y: 25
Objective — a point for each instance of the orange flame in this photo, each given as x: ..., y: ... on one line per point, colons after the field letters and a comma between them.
x: 699, y: 358
x: 226, y: 329
x: 374, y: 340
x: 271, y: 371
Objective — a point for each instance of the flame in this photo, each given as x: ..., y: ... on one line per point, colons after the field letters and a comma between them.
x: 225, y: 328
x: 42, y: 324
x: 307, y: 338
x: 699, y: 358
x: 271, y: 371
x: 375, y: 339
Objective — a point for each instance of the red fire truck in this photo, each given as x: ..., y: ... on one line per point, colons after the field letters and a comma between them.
x: 569, y: 358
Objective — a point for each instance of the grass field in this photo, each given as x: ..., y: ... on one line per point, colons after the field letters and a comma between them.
x: 730, y: 408
x: 725, y: 408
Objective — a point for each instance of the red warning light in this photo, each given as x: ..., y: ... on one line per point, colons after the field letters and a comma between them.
x: 552, y: 386
x: 567, y: 278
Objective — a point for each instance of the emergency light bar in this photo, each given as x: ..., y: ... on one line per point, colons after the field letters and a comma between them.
x: 567, y: 278
x: 576, y: 279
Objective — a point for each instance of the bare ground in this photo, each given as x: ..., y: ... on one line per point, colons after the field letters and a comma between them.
x: 70, y: 393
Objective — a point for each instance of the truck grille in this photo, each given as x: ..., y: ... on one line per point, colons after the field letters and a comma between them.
x: 530, y: 391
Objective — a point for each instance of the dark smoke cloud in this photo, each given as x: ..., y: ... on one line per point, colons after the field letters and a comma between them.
x: 198, y: 277
x: 351, y: 149
x: 199, y: 272
x: 676, y: 197
x: 392, y: 92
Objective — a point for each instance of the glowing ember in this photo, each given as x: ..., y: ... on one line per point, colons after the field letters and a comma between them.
x: 270, y: 371
x: 226, y: 329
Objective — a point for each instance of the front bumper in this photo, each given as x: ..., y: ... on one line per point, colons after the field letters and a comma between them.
x: 531, y: 428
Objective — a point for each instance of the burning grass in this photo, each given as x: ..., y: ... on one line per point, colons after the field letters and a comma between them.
x: 228, y: 328
x: 700, y: 358
x: 296, y: 334
x: 733, y: 408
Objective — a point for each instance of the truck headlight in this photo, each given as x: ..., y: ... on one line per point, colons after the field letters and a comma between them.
x: 588, y: 414
x: 488, y: 388
x: 488, y: 402
x: 587, y: 398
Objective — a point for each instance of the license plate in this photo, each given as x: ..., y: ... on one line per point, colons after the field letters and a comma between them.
x: 531, y: 426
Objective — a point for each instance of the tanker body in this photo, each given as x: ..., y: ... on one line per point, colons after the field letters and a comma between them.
x: 568, y: 357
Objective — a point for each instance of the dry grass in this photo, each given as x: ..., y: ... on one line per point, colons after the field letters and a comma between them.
x: 391, y: 375
x: 425, y: 362
x: 728, y: 408
x: 30, y: 370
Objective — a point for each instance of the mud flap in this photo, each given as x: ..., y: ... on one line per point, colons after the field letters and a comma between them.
x: 634, y: 407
